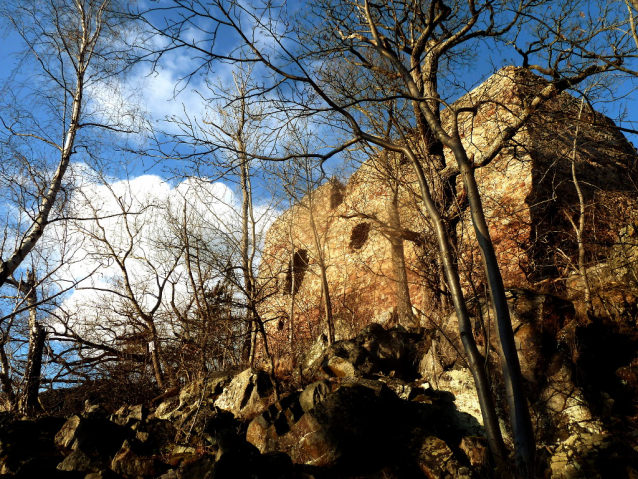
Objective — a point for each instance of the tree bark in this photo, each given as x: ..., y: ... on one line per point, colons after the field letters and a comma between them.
x: 325, y: 288
x: 404, y: 302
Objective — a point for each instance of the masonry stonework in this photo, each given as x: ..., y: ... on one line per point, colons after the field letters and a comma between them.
x: 529, y: 199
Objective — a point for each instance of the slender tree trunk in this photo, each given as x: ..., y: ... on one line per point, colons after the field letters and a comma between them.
x: 580, y: 228
x: 37, y: 336
x: 29, y: 404
x: 5, y: 376
x: 325, y: 289
x: 36, y: 230
x: 156, y: 356
x: 293, y: 294
x: 522, y: 429
x: 474, y: 358
x: 404, y: 302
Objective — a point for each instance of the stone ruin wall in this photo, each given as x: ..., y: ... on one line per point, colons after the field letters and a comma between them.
x: 527, y: 193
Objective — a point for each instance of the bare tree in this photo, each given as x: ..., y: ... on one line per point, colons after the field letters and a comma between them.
x: 358, y: 54
x: 76, y: 46
x: 130, y: 243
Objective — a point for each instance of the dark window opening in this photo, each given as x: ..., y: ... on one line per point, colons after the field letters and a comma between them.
x: 296, y: 271
x: 336, y: 196
x: 359, y: 235
x: 280, y: 324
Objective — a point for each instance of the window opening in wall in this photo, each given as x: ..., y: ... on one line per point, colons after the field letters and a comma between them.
x: 336, y: 195
x: 359, y: 235
x: 298, y: 269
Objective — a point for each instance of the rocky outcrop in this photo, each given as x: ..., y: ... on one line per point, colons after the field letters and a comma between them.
x: 356, y: 423
x: 362, y: 422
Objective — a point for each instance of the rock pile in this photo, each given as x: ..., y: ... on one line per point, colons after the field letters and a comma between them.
x: 363, y: 410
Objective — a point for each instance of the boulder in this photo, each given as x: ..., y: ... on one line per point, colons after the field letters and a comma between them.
x: 351, y: 429
x: 375, y: 350
x: 311, y: 358
x: 168, y: 409
x: 345, y: 359
x: 314, y: 394
x: 435, y: 459
x: 79, y: 461
x: 395, y: 349
x: 583, y: 456
x: 464, y: 413
x: 264, y: 431
x: 129, y: 464
x: 129, y: 415
x: 93, y: 436
x: 27, y: 448
x: 69, y: 432
x: 476, y: 450
x: 247, y: 394
x: 564, y: 405
x: 210, y: 387
x: 103, y: 474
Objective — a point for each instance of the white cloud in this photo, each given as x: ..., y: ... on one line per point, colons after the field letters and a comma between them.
x: 141, y: 219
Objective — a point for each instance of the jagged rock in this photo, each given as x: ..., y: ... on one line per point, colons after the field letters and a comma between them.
x: 154, y: 437
x: 314, y: 394
x: 79, y: 461
x: 436, y: 459
x: 202, y: 468
x: 401, y: 388
x: 374, y: 351
x: 99, y: 436
x: 129, y: 415
x: 247, y: 394
x: 129, y: 464
x: 345, y: 359
x: 278, y: 419
x: 312, y: 356
x: 351, y: 426
x: 586, y: 456
x: 467, y: 417
x: 195, y: 394
x: 476, y: 450
x: 566, y: 408
x: 27, y: 448
x: 103, y: 474
x: 201, y: 389
x: 94, y: 411
x: 396, y: 349
x: 168, y: 409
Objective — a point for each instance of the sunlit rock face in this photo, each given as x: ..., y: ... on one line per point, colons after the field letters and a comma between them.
x: 528, y: 194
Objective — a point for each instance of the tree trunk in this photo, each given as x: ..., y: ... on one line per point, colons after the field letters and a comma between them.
x: 29, y: 404
x: 156, y: 362
x: 520, y: 419
x: 404, y: 303
x: 580, y: 228
x: 325, y: 289
x: 474, y: 358
x: 5, y: 377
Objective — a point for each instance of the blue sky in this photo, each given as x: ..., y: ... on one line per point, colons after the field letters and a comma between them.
x: 157, y: 93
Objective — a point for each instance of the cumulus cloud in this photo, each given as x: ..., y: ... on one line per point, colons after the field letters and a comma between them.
x: 133, y: 230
